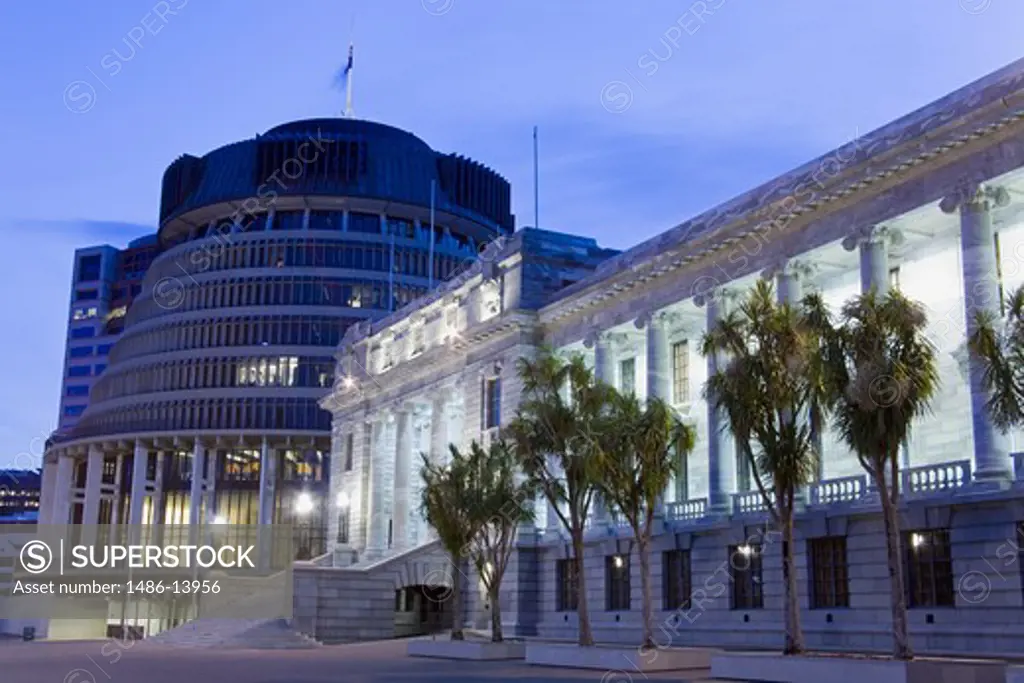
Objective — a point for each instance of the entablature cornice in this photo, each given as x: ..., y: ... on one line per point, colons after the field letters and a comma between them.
x: 980, y: 115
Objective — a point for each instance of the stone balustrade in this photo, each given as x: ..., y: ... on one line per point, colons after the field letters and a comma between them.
x: 750, y: 502
x: 840, y: 490
x: 938, y: 478
x: 687, y: 510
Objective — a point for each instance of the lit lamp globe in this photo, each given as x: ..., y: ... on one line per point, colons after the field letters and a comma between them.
x: 304, y: 504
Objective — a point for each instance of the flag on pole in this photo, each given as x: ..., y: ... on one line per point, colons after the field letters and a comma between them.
x: 344, y: 81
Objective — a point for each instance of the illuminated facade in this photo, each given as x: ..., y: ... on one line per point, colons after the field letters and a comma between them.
x: 930, y: 204
x: 269, y: 250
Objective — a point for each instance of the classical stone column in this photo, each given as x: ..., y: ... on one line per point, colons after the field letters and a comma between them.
x: 60, y: 511
x: 981, y: 296
x: 659, y: 362
x: 400, y: 485
x: 721, y: 467
x: 604, y: 358
x: 158, y: 490
x: 421, y: 443
x: 604, y: 371
x: 268, y: 483
x: 439, y: 428
x: 378, y: 522
x: 195, y: 499
x: 659, y: 366
x: 93, y: 484
x: 210, y: 483
x: 49, y: 478
x: 140, y: 462
x: 873, y: 244
x: 789, y: 276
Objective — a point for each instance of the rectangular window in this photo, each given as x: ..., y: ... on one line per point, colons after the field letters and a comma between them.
x: 676, y: 582
x: 492, y: 402
x: 79, y: 371
x: 349, y: 451
x: 103, y: 349
x: 89, y: 268
x: 77, y: 390
x: 627, y: 376
x: 87, y: 294
x: 99, y: 369
x: 73, y: 411
x: 616, y: 582
x: 567, y: 595
x: 747, y: 588
x: 80, y: 352
x: 929, y: 568
x: 364, y: 222
x: 894, y: 277
x: 681, y: 372
x: 82, y: 332
x: 830, y: 584
x: 343, y: 525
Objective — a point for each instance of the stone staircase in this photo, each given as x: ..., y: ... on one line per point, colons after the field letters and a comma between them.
x: 234, y: 634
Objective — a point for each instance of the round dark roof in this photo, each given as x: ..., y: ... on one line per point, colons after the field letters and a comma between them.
x: 343, y: 126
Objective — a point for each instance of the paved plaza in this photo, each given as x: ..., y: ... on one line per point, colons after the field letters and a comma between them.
x: 106, y: 662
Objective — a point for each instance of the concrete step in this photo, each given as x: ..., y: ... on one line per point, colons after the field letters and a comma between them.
x: 234, y: 634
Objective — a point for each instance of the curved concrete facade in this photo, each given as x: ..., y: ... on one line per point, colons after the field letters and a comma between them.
x: 270, y: 249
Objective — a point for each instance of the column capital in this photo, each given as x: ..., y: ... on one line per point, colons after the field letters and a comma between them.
x: 597, y: 336
x: 974, y: 196
x: 869, y: 234
x: 799, y: 268
x: 656, y: 318
x: 716, y: 295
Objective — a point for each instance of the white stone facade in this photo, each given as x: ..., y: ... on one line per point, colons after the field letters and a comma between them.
x: 930, y: 203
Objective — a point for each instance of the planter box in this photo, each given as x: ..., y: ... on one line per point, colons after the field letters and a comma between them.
x: 626, y: 659
x: 474, y: 650
x: 810, y: 669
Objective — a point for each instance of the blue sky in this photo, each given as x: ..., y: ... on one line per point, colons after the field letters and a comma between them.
x: 649, y: 112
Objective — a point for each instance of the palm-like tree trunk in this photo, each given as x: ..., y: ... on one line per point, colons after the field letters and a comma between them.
x: 497, y: 636
x: 586, y: 636
x: 890, y: 515
x: 457, y: 633
x: 644, y: 550
x: 794, y: 634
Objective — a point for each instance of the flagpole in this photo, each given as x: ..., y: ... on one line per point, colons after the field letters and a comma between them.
x: 348, y: 82
x: 433, y: 193
x: 536, y: 183
x: 391, y: 275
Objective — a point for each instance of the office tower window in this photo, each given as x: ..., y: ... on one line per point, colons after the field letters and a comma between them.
x: 83, y: 332
x: 89, y: 268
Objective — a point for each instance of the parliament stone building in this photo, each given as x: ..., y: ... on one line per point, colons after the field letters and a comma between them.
x: 932, y: 203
